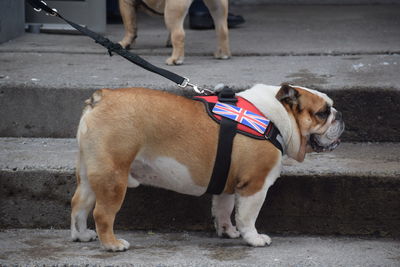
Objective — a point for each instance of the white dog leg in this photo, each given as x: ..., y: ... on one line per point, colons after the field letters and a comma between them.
x: 222, y: 207
x: 247, y: 209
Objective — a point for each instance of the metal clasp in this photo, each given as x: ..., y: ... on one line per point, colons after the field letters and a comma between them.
x: 44, y: 3
x: 195, y: 87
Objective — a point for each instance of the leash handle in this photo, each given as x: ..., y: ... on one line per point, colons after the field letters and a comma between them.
x: 182, y: 82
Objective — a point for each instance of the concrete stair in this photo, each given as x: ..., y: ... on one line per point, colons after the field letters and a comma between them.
x: 354, y: 190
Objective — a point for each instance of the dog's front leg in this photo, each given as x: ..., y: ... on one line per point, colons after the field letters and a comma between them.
x: 247, y: 209
x: 219, y: 12
x: 128, y: 13
x: 222, y: 207
x: 174, y: 15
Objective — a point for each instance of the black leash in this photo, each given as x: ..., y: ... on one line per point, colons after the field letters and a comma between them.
x: 182, y: 82
x: 227, y: 127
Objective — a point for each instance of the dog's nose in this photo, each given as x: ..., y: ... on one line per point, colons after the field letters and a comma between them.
x: 338, y: 116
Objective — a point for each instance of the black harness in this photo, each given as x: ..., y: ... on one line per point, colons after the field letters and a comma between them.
x: 227, y: 132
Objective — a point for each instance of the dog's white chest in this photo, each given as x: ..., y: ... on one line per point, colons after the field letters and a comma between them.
x: 166, y: 173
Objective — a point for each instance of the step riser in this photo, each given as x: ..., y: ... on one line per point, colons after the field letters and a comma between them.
x: 371, y: 115
x: 308, y: 205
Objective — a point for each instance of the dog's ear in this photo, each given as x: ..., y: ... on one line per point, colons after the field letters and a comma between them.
x: 287, y: 94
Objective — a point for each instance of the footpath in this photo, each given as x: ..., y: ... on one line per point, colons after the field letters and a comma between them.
x: 335, y: 209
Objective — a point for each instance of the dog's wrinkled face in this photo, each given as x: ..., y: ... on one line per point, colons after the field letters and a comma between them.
x: 329, y: 139
x: 319, y: 123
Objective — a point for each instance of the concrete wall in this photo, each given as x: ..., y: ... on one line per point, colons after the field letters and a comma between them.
x: 12, y: 19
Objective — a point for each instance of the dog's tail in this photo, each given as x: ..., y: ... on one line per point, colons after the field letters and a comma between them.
x: 89, y: 106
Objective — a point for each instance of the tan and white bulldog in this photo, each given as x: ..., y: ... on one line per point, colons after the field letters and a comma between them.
x: 174, y: 12
x: 134, y: 136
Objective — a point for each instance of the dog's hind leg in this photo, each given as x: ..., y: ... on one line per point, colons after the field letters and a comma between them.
x: 82, y: 203
x: 109, y: 182
x: 222, y: 207
x: 219, y: 12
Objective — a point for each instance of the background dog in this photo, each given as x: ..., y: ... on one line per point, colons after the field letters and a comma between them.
x: 174, y: 14
x: 134, y: 136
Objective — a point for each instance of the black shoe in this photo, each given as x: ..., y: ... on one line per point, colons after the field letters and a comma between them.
x: 204, y: 21
x: 234, y: 20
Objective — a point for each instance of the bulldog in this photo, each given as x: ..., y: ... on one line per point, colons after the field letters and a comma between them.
x: 134, y: 136
x: 174, y: 12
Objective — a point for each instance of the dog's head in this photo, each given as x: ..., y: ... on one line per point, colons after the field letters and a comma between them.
x: 318, y: 123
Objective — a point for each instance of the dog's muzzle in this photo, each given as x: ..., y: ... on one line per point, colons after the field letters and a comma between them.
x: 330, y: 139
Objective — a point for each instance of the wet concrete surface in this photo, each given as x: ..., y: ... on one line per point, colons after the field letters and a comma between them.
x: 54, y: 247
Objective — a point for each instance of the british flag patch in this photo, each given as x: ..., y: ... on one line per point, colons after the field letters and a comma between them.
x: 245, y: 117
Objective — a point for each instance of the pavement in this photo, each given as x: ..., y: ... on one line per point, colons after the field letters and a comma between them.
x: 53, y: 247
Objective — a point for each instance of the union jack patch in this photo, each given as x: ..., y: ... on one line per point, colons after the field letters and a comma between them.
x: 245, y: 117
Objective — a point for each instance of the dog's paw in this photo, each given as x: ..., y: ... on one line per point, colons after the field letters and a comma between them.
x: 85, y: 236
x: 127, y: 45
x: 174, y: 61
x: 230, y: 232
x: 258, y: 240
x: 120, y: 245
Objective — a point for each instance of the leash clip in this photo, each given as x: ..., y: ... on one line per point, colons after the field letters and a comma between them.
x: 53, y: 14
x: 44, y: 3
x: 195, y: 87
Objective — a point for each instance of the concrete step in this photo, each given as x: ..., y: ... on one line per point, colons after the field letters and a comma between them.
x: 44, y: 78
x: 353, y: 190
x: 40, y: 102
x: 54, y: 248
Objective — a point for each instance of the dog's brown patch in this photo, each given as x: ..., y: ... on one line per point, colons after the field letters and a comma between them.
x: 252, y: 160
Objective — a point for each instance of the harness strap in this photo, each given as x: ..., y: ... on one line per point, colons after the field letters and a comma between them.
x: 112, y: 47
x: 273, y: 135
x: 227, y: 132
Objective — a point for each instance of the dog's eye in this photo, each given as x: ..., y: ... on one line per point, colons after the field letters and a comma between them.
x: 323, y: 114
